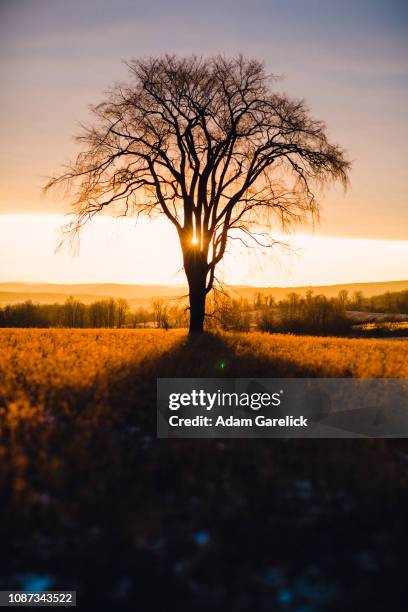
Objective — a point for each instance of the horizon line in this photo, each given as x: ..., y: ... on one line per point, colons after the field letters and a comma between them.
x: 245, y: 286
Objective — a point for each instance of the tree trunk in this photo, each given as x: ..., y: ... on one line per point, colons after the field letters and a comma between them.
x: 196, y: 269
x: 197, y: 305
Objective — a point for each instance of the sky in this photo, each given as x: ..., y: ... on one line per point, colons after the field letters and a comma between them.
x: 348, y: 60
x: 110, y: 252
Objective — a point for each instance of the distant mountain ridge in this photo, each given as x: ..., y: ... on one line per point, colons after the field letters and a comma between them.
x: 139, y: 295
x: 94, y: 289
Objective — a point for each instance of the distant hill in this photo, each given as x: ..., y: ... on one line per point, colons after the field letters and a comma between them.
x: 97, y: 289
x: 140, y: 295
x: 44, y: 293
x: 368, y: 289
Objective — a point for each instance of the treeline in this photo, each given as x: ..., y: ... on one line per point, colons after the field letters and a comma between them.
x: 391, y: 302
x: 309, y: 314
x: 109, y: 313
x: 312, y: 314
x: 395, y: 302
x: 73, y: 313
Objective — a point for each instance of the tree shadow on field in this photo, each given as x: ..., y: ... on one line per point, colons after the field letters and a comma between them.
x: 213, y: 355
x: 133, y: 391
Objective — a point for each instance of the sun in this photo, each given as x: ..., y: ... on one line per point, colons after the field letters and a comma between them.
x: 194, y: 240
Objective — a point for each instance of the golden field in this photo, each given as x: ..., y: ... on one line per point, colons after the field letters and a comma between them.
x: 325, y: 357
x: 92, y: 500
x: 44, y: 365
x: 97, y: 377
x: 38, y: 364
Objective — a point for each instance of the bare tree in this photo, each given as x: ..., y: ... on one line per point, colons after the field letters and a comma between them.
x: 160, y: 312
x: 208, y: 143
x: 122, y: 311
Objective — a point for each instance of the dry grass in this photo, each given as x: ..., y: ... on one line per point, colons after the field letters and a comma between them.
x: 43, y: 365
x: 93, y: 501
x: 325, y: 357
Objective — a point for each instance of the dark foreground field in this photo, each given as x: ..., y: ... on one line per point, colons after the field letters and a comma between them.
x: 92, y: 501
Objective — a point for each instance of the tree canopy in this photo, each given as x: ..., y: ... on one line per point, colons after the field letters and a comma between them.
x: 211, y: 145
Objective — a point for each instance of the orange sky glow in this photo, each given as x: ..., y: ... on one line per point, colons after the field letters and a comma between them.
x: 58, y: 58
x: 126, y: 251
